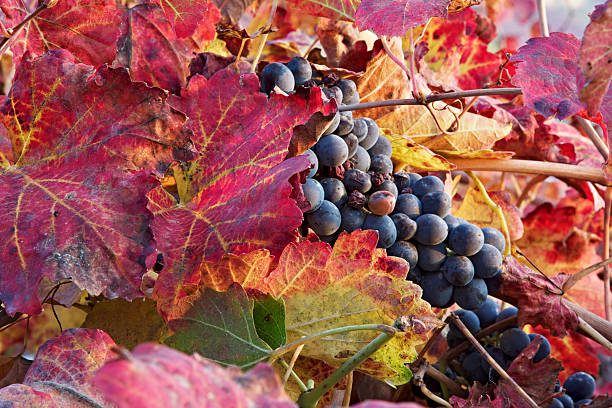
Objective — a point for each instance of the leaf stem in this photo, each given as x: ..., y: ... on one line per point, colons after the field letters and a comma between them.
x: 294, y: 358
x: 543, y: 18
x: 345, y: 329
x: 399, y: 63
x: 264, y: 37
x: 496, y: 208
x: 348, y: 390
x: 594, y: 334
x: 432, y: 98
x: 6, y: 41
x: 583, y: 273
x: 594, y: 136
x: 309, y: 399
x: 492, y: 361
x: 418, y: 381
x: 297, y: 379
x: 559, y: 170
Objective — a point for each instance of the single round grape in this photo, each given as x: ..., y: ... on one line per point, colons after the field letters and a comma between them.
x: 405, y: 250
x: 382, y: 146
x: 360, y: 128
x: 487, y: 313
x: 357, y: 180
x: 334, y: 191
x: 406, y: 227
x: 333, y: 92
x: 348, y: 88
x: 372, y: 136
x: 431, y: 229
x: 513, y: 341
x: 579, y: 386
x: 361, y: 159
x: 426, y: 185
x: 493, y: 236
x: 493, y: 284
x: 352, y: 218
x: 408, y: 204
x: 351, y: 143
x: 331, y: 151
x: 472, y: 295
x: 458, y: 270
x: 415, y: 273
x: 431, y: 257
x: 385, y: 227
x: 543, y: 350
x: 381, y: 164
x: 351, y: 100
x: 402, y: 180
x: 466, y: 239
x: 381, y: 202
x: 300, y: 67
x: 387, y: 185
x: 437, y: 291
x: 326, y: 220
x: 314, y: 194
x: 579, y: 404
x: 346, y: 124
x: 314, y: 162
x: 333, y: 124
x: 472, y: 366
x: 506, y: 313
x: 566, y: 400
x: 436, y: 202
x: 414, y: 177
x: 276, y: 74
x: 469, y: 319
x: 487, y: 261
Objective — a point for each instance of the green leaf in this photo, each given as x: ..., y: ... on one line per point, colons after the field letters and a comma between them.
x: 220, y: 327
x: 269, y: 315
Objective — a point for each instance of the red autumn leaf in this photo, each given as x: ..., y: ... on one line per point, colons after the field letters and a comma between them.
x: 240, y: 196
x: 334, y: 9
x: 24, y: 396
x: 477, y: 398
x: 539, y: 300
x: 186, y: 15
x: 547, y: 74
x: 396, y: 17
x: 156, y: 376
x: 596, y: 57
x: 68, y: 24
x: 74, y: 204
x: 537, y: 379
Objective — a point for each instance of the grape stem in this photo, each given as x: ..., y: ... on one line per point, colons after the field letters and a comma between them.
x: 264, y: 37
x: 398, y: 62
x: 496, y: 208
x: 432, y: 98
x: 453, y: 317
x: 418, y: 381
x: 594, y: 136
x: 594, y: 334
x: 583, y: 273
x: 444, y: 380
x: 294, y: 358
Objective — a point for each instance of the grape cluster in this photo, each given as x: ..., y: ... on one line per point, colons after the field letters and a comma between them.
x: 504, y: 347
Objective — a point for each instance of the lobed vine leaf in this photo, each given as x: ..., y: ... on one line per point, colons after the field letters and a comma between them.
x: 333, y: 9
x: 185, y: 16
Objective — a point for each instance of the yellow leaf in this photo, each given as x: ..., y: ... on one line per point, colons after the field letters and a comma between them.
x: 409, y: 156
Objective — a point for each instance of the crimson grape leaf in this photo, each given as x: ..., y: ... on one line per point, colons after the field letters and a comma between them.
x: 596, y: 57
x: 220, y: 327
x: 333, y: 9
x: 73, y: 194
x: 155, y: 376
x: 24, y: 396
x: 396, y: 17
x: 69, y: 25
x: 547, y: 74
x: 539, y: 299
x: 477, y: 398
x: 185, y: 15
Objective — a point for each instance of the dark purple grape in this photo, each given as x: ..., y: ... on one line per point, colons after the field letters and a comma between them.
x: 333, y: 92
x: 326, y: 220
x: 436, y: 202
x: 346, y: 124
x: 579, y: 386
x: 382, y: 146
x: 381, y: 164
x: 466, y: 239
x: 543, y: 350
x: 436, y: 289
x: 555, y: 403
x: 331, y: 151
x: 513, y: 341
x: 387, y: 185
x: 405, y: 250
x: 499, y: 358
x: 334, y: 191
x: 415, y: 273
x: 452, y: 222
x: 426, y: 185
x: 487, y: 262
x: 414, y: 177
x: 431, y: 257
x: 487, y: 313
x: 493, y: 284
x: 360, y: 128
x: 472, y: 295
x: 352, y: 100
x: 566, y: 400
x: 357, y: 180
x: 333, y: 125
x: 402, y: 180
x: 313, y: 161
x: 329, y: 239
x: 506, y: 313
x: 385, y: 227
x: 352, y: 218
x: 472, y: 366
x: 351, y: 143
x: 314, y: 194
x: 493, y: 236
x: 431, y: 229
x: 469, y: 319
x: 276, y: 74
x: 408, y: 204
x: 300, y: 67
x: 458, y: 270
x: 349, y: 90
x: 406, y: 227
x: 361, y: 159
x: 372, y: 136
